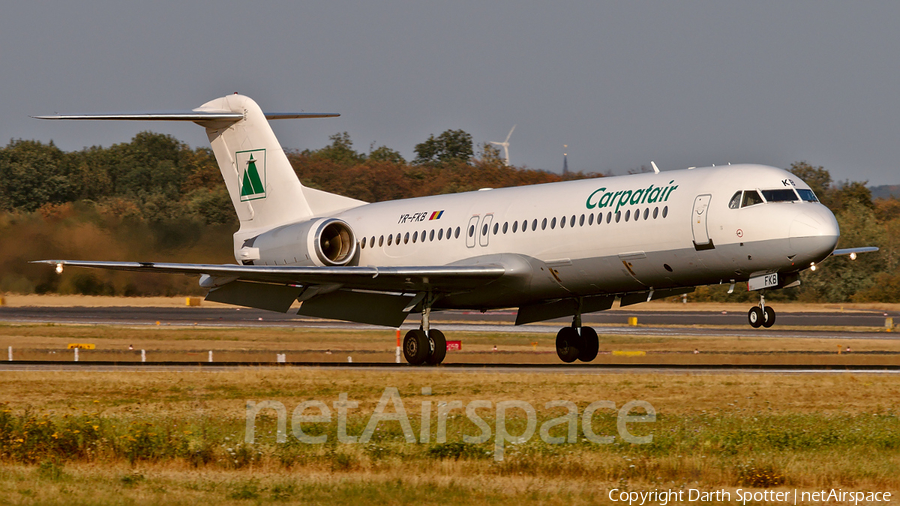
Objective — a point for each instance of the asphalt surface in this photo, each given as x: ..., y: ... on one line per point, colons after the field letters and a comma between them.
x: 865, y: 324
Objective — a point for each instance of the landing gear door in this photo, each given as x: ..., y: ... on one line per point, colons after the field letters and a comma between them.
x: 698, y: 223
x: 471, y: 231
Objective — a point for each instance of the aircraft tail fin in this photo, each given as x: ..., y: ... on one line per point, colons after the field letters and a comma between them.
x: 262, y: 184
x: 264, y: 189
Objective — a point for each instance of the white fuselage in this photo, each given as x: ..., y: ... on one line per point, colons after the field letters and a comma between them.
x: 605, y: 235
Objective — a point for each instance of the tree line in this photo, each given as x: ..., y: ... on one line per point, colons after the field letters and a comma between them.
x: 157, y: 199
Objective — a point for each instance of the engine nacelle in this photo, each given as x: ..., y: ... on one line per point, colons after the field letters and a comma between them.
x: 320, y: 242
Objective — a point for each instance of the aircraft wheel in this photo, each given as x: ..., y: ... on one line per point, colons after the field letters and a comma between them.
x: 768, y: 317
x: 437, y: 347
x: 755, y: 316
x: 568, y: 344
x: 416, y: 347
x: 591, y: 344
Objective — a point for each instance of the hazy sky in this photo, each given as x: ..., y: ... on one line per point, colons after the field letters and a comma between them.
x: 622, y: 83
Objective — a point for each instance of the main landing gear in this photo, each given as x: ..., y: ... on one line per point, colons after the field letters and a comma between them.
x: 425, y: 345
x: 761, y: 315
x: 577, y: 342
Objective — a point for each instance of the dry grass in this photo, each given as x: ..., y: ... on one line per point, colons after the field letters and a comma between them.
x: 192, y: 344
x: 809, y: 429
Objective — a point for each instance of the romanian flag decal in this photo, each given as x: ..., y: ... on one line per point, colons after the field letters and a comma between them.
x: 436, y: 215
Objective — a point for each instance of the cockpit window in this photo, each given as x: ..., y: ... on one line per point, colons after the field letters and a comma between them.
x: 735, y: 201
x: 807, y: 195
x: 780, y: 195
x: 751, y: 198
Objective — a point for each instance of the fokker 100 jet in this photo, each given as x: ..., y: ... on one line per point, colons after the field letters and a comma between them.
x: 551, y: 250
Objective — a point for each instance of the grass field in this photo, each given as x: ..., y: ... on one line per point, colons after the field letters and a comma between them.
x: 149, y: 438
x: 178, y: 438
x: 190, y: 344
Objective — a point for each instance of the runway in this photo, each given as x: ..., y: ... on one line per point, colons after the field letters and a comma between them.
x: 864, y: 324
x: 581, y: 368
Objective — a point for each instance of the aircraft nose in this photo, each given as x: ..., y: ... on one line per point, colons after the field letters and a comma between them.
x: 814, y: 232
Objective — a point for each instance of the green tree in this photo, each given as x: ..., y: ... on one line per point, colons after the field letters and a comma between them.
x: 385, y: 154
x: 850, y: 193
x: 450, y: 146
x: 340, y: 151
x: 32, y: 174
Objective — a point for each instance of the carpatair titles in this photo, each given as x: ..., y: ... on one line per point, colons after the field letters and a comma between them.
x: 600, y: 198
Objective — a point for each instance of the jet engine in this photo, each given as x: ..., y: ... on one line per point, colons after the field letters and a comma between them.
x: 320, y: 242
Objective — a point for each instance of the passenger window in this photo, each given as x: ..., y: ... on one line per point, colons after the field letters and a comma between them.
x: 665, y: 211
x: 782, y: 195
x: 471, y: 230
x: 515, y: 227
x: 406, y: 238
x: 505, y: 227
x: 735, y: 202
x: 484, y: 229
x: 496, y: 228
x: 591, y: 219
x: 572, y: 220
x: 440, y: 234
x: 457, y: 232
x: 362, y: 245
x: 390, y: 239
x: 372, y: 241
x: 544, y: 224
x: 431, y: 235
x: 655, y: 212
x: 534, y: 224
x: 751, y: 198
x: 646, y: 213
x: 618, y: 216
x: 562, y: 222
x: 627, y: 214
x: 415, y: 236
x: 609, y: 217
x: 807, y: 195
x: 381, y: 241
x: 553, y: 223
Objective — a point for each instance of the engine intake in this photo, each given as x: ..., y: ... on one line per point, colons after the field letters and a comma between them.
x: 335, y: 243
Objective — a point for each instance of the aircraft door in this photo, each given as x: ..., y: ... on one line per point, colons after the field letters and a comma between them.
x: 698, y: 223
x: 485, y: 232
x: 471, y: 231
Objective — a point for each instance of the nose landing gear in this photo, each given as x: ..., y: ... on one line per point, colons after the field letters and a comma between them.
x: 761, y: 315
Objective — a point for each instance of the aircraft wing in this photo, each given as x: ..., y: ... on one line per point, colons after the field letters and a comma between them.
x: 385, y: 279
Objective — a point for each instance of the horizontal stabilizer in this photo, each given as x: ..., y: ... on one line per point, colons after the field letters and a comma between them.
x: 186, y: 116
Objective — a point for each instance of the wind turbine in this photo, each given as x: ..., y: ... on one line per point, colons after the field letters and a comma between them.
x: 505, y: 145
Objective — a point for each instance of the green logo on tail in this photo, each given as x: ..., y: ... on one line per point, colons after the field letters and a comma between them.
x: 252, y: 169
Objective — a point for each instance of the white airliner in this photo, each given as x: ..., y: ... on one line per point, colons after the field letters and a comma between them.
x: 552, y: 250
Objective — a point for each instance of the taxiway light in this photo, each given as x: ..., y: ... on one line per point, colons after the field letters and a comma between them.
x: 853, y: 256
x: 812, y: 266
x: 59, y: 268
